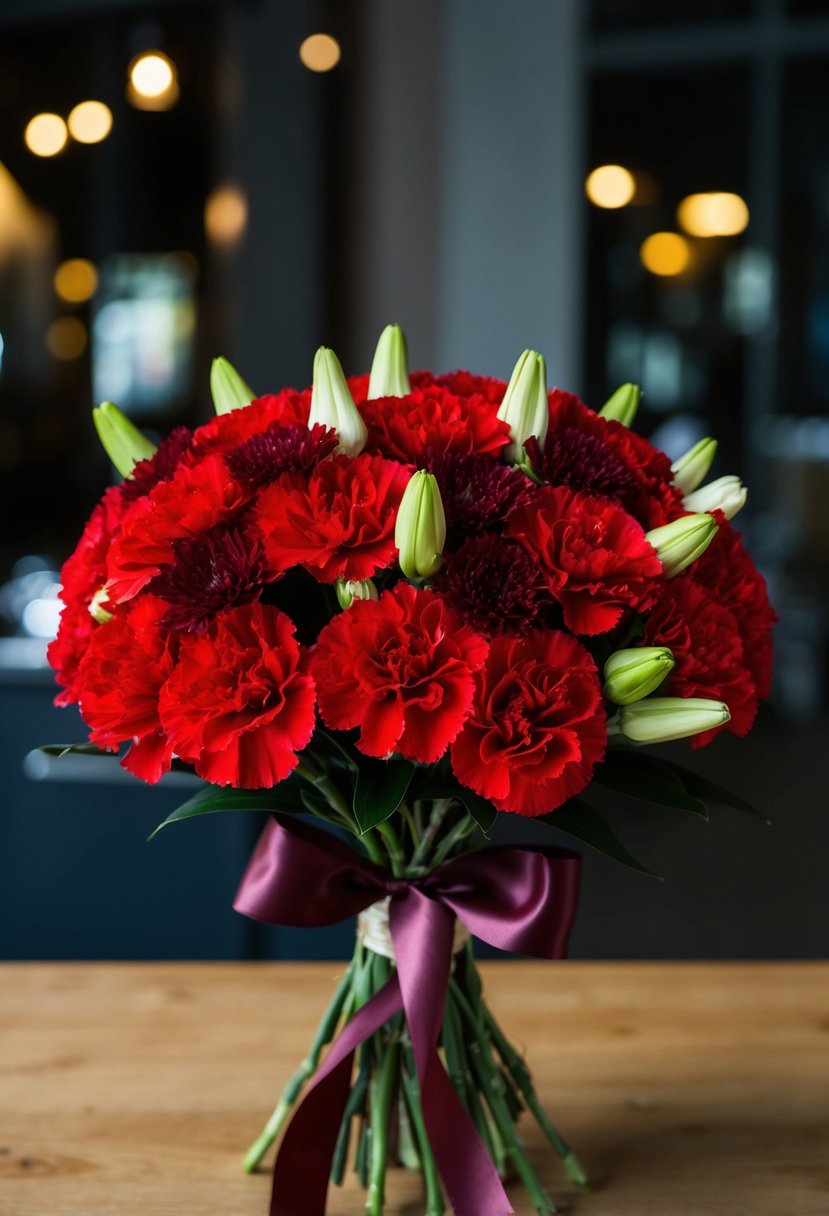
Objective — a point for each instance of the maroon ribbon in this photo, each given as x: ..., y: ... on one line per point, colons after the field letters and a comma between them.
x: 519, y: 899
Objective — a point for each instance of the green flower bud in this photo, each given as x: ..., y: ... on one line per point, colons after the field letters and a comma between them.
x: 726, y: 494
x: 349, y: 590
x: 623, y: 404
x: 96, y: 606
x: 332, y: 403
x: 121, y: 439
x: 661, y: 719
x: 524, y: 407
x: 692, y: 468
x: 420, y: 532
x: 390, y: 367
x: 632, y: 674
x: 682, y: 542
x: 227, y: 388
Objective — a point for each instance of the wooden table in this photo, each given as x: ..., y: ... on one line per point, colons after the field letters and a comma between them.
x: 688, y: 1089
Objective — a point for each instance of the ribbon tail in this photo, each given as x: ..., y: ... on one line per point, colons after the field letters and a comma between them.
x: 303, y: 1163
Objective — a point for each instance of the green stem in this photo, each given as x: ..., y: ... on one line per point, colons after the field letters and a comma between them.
x: 307, y: 1068
x: 355, y: 1105
x: 383, y: 1087
x: 328, y: 789
x: 411, y: 1091
x: 411, y: 822
x: 458, y: 833
x: 440, y: 808
x: 374, y: 848
x: 395, y: 850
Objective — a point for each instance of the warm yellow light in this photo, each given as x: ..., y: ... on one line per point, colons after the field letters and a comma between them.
x: 610, y: 186
x: 66, y: 338
x: 152, y: 81
x: 226, y: 214
x: 320, y: 52
x: 45, y: 134
x: 90, y: 122
x: 76, y: 280
x: 665, y: 253
x: 713, y: 214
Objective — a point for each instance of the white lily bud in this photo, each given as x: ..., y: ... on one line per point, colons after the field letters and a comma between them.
x: 332, y: 404
x: 349, y: 590
x: 661, y: 719
x: 227, y: 388
x: 524, y: 407
x: 681, y: 542
x: 692, y: 468
x: 623, y: 404
x: 121, y: 439
x: 390, y: 366
x: 726, y: 494
x: 633, y: 674
x: 420, y: 531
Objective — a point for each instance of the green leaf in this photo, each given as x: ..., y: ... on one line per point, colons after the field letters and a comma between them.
x: 211, y: 799
x: 438, y: 784
x: 381, y: 787
x: 78, y: 749
x: 648, y: 779
x: 701, y: 787
x: 482, y: 811
x: 578, y: 819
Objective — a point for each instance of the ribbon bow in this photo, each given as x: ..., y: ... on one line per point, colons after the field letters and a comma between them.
x: 520, y: 899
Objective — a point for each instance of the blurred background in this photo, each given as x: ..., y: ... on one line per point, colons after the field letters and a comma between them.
x: 640, y: 190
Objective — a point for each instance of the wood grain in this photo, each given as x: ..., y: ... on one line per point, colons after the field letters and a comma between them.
x: 687, y: 1089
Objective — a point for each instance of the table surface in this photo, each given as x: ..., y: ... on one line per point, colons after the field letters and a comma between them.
x: 687, y: 1088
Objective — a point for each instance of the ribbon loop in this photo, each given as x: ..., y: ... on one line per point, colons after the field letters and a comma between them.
x: 516, y: 899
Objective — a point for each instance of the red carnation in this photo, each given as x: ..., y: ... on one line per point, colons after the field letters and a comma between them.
x: 728, y: 572
x: 120, y: 677
x: 465, y: 384
x: 402, y: 428
x: 338, y: 522
x: 83, y: 574
x: 196, y: 499
x: 594, y: 556
x: 402, y: 669
x: 226, y: 431
x: 161, y: 466
x: 537, y: 724
x: 704, y: 638
x: 240, y: 703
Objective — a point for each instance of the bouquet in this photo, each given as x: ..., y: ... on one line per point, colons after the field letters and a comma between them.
x: 387, y: 610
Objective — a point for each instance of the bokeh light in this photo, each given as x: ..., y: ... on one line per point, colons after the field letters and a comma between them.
x: 320, y: 52
x: 610, y: 186
x: 76, y: 280
x: 226, y: 214
x: 66, y: 338
x: 46, y: 134
x: 665, y: 253
x: 90, y: 122
x: 716, y: 213
x: 153, y: 84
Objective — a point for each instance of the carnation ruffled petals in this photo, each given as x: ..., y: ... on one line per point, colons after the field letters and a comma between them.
x: 405, y: 428
x: 536, y: 728
x: 338, y: 522
x: 240, y: 703
x: 401, y: 668
x: 594, y: 556
x: 119, y: 680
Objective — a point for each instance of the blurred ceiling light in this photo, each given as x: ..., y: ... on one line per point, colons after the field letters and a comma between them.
x: 90, y: 122
x: 76, y: 280
x: 713, y: 214
x: 66, y: 338
x: 665, y: 253
x: 226, y: 214
x: 22, y: 226
x: 610, y: 186
x: 152, y: 81
x: 320, y: 52
x: 46, y: 135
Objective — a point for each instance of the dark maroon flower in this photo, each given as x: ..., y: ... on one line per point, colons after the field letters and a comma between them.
x: 582, y: 462
x: 477, y: 491
x: 493, y: 584
x: 222, y: 567
x: 280, y: 449
x: 160, y: 467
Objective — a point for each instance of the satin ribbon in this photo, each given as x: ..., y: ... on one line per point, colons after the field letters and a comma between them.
x: 518, y: 899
